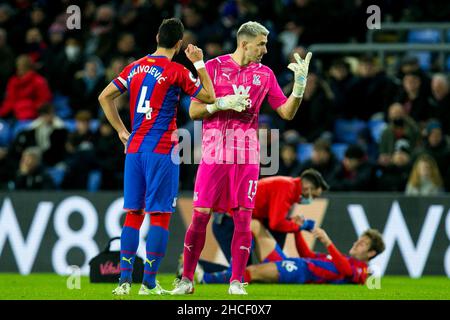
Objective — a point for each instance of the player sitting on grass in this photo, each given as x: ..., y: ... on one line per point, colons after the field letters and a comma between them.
x: 311, y: 267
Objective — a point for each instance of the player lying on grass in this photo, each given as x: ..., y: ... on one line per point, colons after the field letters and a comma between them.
x: 311, y: 267
x: 273, y: 202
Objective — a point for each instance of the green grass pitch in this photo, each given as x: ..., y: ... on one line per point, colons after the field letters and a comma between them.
x: 53, y: 287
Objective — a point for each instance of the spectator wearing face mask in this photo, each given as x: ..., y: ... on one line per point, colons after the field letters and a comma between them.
x: 62, y: 67
x: 400, y: 126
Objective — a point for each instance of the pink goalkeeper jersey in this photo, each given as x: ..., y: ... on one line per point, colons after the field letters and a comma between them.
x: 230, y: 136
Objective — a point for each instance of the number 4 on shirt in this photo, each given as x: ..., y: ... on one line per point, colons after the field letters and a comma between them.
x: 144, y: 105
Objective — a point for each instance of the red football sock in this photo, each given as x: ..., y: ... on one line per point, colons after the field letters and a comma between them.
x: 241, y: 243
x: 134, y: 219
x: 194, y: 242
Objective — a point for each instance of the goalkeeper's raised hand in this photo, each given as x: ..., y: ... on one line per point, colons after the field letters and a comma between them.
x: 236, y: 102
x: 300, y: 69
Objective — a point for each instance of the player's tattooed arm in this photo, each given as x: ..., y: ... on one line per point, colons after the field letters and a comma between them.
x: 106, y: 99
x: 300, y: 68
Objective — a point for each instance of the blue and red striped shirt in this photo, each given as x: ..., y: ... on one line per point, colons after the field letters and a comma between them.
x: 154, y: 84
x: 331, y: 268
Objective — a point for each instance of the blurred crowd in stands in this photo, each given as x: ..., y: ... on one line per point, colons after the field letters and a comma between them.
x: 364, y: 127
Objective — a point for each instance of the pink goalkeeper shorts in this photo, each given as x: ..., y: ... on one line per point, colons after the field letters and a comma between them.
x: 223, y: 187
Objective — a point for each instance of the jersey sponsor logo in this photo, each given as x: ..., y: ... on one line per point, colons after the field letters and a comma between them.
x: 256, y: 80
x: 289, y: 265
x: 241, y: 89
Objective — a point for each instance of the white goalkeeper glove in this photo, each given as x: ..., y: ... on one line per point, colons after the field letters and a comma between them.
x: 236, y: 102
x: 300, y: 69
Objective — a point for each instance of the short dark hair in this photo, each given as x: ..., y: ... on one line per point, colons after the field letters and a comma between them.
x: 376, y: 241
x: 355, y: 152
x: 46, y: 108
x: 315, y: 178
x: 170, y: 32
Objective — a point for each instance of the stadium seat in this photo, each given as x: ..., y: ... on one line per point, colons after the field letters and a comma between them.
x: 424, y: 58
x: 376, y: 128
x: 346, y: 131
x: 424, y: 36
x: 62, y: 107
x: 70, y: 124
x: 57, y: 175
x: 94, y: 125
x: 304, y: 151
x: 19, y: 127
x: 339, y: 149
x: 94, y: 181
x: 5, y: 133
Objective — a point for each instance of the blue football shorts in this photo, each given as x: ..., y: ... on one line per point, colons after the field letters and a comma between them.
x: 150, y: 182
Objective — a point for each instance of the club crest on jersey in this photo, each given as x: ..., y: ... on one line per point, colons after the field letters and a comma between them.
x: 193, y: 79
x: 256, y: 80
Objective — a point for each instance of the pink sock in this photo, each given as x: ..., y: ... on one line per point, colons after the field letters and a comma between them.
x: 194, y: 242
x: 241, y: 243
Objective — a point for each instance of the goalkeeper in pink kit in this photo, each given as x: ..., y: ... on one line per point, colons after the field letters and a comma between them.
x: 229, y: 170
